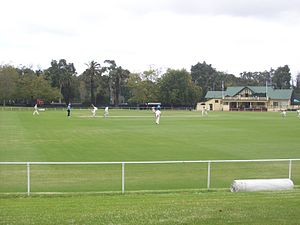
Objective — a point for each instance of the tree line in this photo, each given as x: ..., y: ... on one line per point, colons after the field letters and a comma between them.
x: 110, y: 84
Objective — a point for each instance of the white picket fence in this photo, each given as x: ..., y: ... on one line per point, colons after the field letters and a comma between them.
x: 208, y: 162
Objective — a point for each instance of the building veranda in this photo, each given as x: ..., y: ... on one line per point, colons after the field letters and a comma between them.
x: 248, y: 98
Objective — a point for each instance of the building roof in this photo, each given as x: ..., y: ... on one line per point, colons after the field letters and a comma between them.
x: 213, y: 94
x: 280, y: 93
x: 271, y: 92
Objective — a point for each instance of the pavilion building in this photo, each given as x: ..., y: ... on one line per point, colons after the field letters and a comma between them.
x: 248, y: 98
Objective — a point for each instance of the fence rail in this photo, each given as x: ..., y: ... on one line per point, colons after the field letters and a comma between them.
x: 208, y: 162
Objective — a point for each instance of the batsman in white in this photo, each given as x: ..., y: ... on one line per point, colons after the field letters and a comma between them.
x: 35, y: 110
x: 106, y: 113
x: 94, y: 110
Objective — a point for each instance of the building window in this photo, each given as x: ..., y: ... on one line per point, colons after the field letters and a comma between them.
x: 275, y: 103
x: 284, y: 103
x: 216, y: 101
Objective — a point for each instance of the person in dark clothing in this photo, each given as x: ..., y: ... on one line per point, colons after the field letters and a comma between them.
x: 69, y: 110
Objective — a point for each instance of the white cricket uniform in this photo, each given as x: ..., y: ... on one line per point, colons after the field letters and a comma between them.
x: 283, y: 114
x: 298, y: 112
x: 94, y: 111
x: 157, y: 116
x: 106, y: 113
x: 35, y: 110
x: 204, y: 111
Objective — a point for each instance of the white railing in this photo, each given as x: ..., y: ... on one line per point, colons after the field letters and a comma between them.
x: 209, y: 162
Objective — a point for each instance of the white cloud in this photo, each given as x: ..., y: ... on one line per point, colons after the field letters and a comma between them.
x: 232, y: 35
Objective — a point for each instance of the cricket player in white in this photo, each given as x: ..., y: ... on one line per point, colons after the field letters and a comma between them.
x: 298, y: 113
x: 35, y: 110
x: 94, y: 109
x: 157, y: 116
x: 204, y: 111
x: 283, y: 114
x: 106, y: 113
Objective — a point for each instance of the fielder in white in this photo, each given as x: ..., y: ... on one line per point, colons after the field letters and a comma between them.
x: 298, y: 113
x: 204, y: 111
x: 157, y: 116
x: 283, y: 114
x: 35, y: 110
x: 94, y: 110
x: 106, y: 113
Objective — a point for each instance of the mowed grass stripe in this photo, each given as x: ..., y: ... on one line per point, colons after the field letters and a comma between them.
x: 276, y: 208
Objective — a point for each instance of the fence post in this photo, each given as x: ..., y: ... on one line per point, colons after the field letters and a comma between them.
x: 208, y: 175
x: 123, y: 177
x: 28, y: 178
x: 290, y: 169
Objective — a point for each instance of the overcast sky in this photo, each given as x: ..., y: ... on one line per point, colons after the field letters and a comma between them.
x: 232, y: 35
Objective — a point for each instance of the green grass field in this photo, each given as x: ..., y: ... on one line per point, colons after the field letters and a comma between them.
x: 189, y: 208
x: 131, y: 135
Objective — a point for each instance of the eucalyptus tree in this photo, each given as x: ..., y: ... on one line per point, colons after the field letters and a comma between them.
x: 140, y: 91
x: 31, y: 86
x: 226, y: 80
x: 296, y: 92
x: 256, y: 78
x: 62, y: 75
x: 8, y: 79
x: 136, y: 92
x: 121, y: 80
x: 118, y: 78
x: 36, y: 87
x: 205, y: 76
x: 109, y: 72
x: 93, y: 72
x: 297, y: 85
x: 177, y: 88
x: 143, y: 87
x: 282, y: 77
